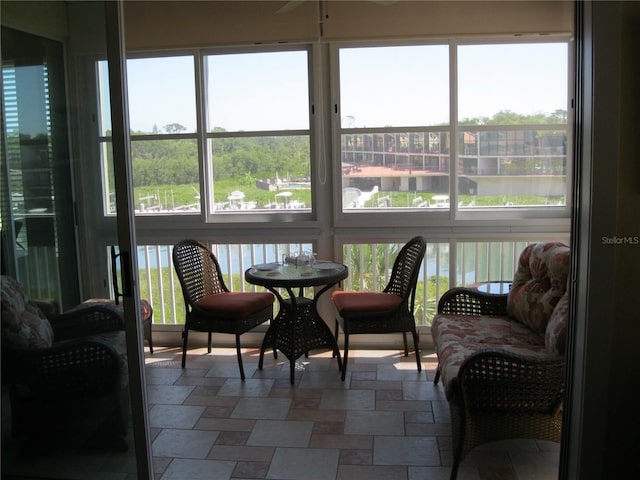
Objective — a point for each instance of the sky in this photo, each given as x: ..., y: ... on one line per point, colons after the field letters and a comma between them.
x: 379, y: 86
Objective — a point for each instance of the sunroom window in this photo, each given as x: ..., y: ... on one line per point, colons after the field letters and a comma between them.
x: 250, y: 153
x: 398, y: 117
x: 258, y: 136
x: 428, y: 135
x: 163, y: 127
x: 394, y: 117
x: 512, y: 116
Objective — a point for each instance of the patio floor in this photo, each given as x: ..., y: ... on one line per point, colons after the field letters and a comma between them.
x: 386, y: 421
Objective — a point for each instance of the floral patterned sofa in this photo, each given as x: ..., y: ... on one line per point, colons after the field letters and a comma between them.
x: 501, y: 357
x: 67, y: 374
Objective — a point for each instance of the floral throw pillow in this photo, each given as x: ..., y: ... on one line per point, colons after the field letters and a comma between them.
x: 538, y: 284
x: 23, y: 323
x: 555, y: 338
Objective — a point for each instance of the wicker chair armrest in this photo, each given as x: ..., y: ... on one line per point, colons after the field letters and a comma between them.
x: 501, y: 382
x: 467, y: 301
x: 86, y: 321
x: 67, y: 368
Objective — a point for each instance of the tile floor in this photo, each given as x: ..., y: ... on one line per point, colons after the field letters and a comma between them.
x: 386, y: 421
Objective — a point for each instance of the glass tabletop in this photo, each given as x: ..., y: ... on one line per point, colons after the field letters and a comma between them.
x: 279, y: 275
x: 496, y: 288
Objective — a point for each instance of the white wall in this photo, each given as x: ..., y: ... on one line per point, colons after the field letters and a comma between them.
x: 181, y: 24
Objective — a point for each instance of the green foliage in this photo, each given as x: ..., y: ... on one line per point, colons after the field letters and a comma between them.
x: 166, y: 172
x: 169, y: 169
x: 160, y: 289
x: 427, y: 308
x: 223, y: 188
x: 261, y: 157
x: 370, y: 264
x: 164, y: 162
x: 175, y: 161
x: 369, y: 269
x: 167, y: 195
x: 405, y: 199
x: 507, y: 117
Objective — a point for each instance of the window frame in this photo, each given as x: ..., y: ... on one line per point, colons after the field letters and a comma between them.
x: 212, y: 217
x: 105, y: 140
x: 202, y: 135
x: 557, y: 217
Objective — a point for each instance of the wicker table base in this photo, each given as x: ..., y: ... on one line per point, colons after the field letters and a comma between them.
x: 298, y: 328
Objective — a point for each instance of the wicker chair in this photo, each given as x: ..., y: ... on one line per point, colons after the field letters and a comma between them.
x: 67, y: 373
x: 388, y: 311
x: 209, y: 305
x: 146, y: 310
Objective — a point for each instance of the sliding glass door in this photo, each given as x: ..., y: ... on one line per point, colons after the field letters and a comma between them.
x: 38, y: 231
x: 48, y: 120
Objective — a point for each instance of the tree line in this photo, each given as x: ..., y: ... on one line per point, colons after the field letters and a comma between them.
x: 175, y: 161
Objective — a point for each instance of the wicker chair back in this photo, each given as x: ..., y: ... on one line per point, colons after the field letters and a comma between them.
x: 209, y: 304
x: 357, y: 311
x: 198, y: 271
x: 404, y: 275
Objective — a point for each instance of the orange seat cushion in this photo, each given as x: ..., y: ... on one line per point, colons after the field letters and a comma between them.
x: 364, y: 302
x: 236, y: 304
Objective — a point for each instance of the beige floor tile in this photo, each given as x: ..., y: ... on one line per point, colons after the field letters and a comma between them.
x: 174, y: 416
x: 184, y: 443
x: 385, y: 421
x: 369, y: 472
x: 348, y: 400
x: 262, y: 408
x: 304, y: 463
x: 244, y: 453
x: 280, y: 433
x: 360, y: 422
x: 393, y: 450
x: 180, y: 468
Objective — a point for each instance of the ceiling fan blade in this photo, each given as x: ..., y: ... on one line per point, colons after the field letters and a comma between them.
x: 291, y: 5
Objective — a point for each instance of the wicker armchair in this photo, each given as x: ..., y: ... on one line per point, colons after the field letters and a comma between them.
x: 209, y: 305
x: 66, y: 374
x: 389, y: 311
x: 505, y: 378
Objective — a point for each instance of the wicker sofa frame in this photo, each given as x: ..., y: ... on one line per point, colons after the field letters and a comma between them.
x: 501, y: 395
x: 503, y: 390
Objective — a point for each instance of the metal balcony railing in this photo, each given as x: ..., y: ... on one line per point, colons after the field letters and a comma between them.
x: 445, y: 265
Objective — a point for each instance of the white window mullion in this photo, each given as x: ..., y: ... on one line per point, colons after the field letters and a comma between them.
x: 453, y: 129
x: 204, y: 153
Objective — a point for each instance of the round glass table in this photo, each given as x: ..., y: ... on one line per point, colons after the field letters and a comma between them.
x: 500, y: 287
x: 298, y: 327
